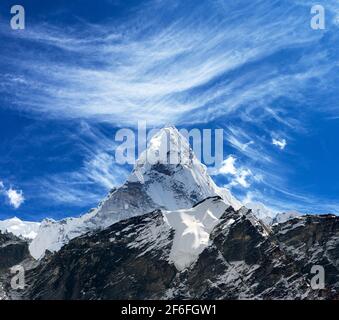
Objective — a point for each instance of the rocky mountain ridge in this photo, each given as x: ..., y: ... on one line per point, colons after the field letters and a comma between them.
x: 242, y: 259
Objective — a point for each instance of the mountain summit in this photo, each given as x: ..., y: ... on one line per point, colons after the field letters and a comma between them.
x: 167, y: 176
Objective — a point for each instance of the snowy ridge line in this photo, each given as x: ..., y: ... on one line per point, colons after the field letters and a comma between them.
x: 208, y: 198
x: 24, y: 229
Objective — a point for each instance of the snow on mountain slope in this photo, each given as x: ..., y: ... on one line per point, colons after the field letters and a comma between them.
x: 227, y: 196
x: 285, y: 216
x: 19, y: 228
x: 167, y: 176
x: 263, y: 213
x: 269, y: 216
x: 52, y: 235
x: 192, y: 230
x: 172, y: 169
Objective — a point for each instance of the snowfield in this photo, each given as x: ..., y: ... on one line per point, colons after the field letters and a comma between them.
x: 192, y: 230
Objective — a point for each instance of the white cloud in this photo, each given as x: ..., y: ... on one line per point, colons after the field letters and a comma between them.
x: 248, y: 197
x: 16, y: 197
x: 240, y: 176
x: 97, y: 174
x: 279, y: 143
x: 228, y: 166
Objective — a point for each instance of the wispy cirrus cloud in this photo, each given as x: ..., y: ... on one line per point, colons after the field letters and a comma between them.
x: 90, y: 181
x: 109, y: 71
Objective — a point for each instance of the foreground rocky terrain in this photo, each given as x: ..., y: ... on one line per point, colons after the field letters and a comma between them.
x: 244, y: 259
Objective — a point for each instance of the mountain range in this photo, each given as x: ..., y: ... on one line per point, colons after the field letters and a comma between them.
x: 169, y: 232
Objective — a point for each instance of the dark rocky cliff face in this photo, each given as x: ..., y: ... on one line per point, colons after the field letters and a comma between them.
x: 126, y: 261
x: 12, y: 251
x: 245, y: 260
x: 313, y: 240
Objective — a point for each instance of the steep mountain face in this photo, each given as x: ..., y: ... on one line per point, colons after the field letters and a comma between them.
x: 243, y: 261
x: 131, y: 254
x: 167, y: 176
x: 12, y: 250
x: 209, y: 252
x: 313, y: 241
x: 24, y: 229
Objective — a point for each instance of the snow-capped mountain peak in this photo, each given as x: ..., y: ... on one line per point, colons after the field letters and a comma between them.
x: 167, y: 176
x: 19, y: 228
x: 168, y: 147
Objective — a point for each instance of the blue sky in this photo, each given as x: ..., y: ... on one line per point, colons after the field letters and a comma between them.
x: 81, y: 70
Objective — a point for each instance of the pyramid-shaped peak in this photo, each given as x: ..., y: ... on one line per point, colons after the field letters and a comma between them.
x: 170, y: 129
x: 168, y: 134
x: 167, y: 146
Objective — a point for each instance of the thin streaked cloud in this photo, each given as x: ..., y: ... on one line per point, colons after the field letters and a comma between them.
x: 110, y: 71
